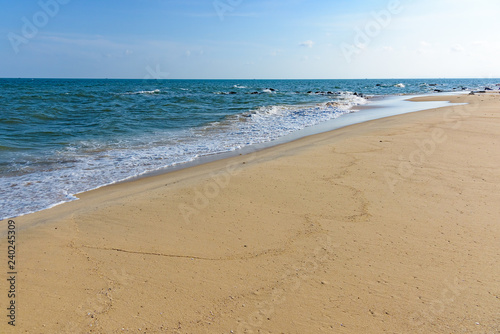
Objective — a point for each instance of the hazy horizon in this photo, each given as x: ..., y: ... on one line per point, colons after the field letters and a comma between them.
x: 235, y: 79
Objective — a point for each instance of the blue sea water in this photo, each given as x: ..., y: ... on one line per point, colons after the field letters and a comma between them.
x: 59, y: 137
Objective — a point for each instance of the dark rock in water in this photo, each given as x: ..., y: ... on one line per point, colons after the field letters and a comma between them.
x: 253, y: 93
x: 438, y: 90
x: 355, y: 94
x: 272, y: 89
x: 487, y: 88
x: 232, y: 93
x: 330, y: 93
x: 432, y: 85
x: 481, y: 91
x: 309, y: 92
x: 378, y: 85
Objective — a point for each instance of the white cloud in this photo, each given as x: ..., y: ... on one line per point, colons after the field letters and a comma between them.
x: 307, y: 44
x: 361, y: 46
x: 482, y: 43
x: 274, y: 53
x: 457, y: 48
x: 190, y: 53
x: 425, y: 48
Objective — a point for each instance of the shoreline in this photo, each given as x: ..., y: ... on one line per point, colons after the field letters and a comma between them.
x: 342, y: 121
x: 376, y: 108
x: 386, y: 225
x: 381, y: 102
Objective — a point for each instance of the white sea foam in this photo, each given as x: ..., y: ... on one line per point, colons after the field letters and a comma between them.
x: 156, y: 91
x: 91, y: 165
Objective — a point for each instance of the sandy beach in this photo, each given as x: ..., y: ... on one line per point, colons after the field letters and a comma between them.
x: 389, y: 226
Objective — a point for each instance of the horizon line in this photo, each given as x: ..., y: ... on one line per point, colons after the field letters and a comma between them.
x: 155, y: 79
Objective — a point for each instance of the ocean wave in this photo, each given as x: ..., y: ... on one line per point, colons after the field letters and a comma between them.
x: 7, y: 148
x: 269, y: 90
x: 224, y: 93
x: 149, y: 92
x: 90, y: 164
x: 267, y: 123
x: 350, y: 99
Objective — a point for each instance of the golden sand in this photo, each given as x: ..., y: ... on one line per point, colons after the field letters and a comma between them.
x: 390, y: 226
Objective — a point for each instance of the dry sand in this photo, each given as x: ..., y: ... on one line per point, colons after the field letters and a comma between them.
x: 390, y: 226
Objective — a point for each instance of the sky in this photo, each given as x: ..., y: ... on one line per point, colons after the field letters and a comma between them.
x: 250, y: 39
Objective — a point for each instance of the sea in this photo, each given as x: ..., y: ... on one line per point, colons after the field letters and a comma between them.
x: 61, y: 137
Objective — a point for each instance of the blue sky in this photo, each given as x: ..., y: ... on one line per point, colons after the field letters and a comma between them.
x: 249, y: 39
